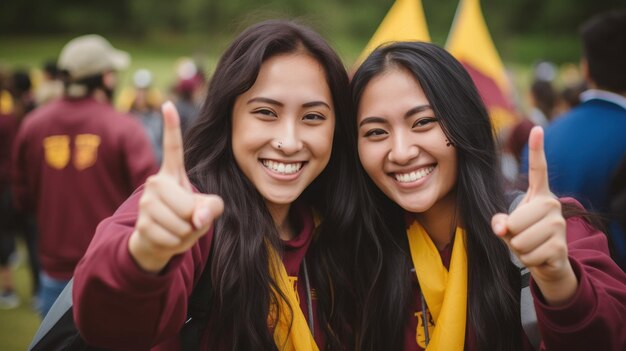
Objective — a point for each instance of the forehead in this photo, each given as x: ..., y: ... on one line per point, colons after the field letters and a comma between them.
x: 292, y: 75
x: 391, y: 93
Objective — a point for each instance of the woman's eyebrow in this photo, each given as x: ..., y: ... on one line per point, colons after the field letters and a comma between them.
x: 417, y: 109
x: 315, y: 103
x: 372, y: 120
x: 265, y: 100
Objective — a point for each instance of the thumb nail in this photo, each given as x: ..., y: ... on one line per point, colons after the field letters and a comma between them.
x: 498, y: 228
x: 201, y: 217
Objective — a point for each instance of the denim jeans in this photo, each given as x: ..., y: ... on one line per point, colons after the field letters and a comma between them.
x: 49, y: 290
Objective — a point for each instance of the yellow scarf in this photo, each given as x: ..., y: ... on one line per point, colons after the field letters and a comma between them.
x: 445, y: 291
x: 292, y: 332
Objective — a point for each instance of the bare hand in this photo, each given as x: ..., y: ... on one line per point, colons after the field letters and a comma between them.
x: 171, y: 216
x: 535, y: 230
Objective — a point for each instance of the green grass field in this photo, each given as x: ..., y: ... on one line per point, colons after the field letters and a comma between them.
x: 17, y: 326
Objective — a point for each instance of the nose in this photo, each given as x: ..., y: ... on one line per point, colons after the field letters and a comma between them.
x: 403, y: 150
x: 288, y: 140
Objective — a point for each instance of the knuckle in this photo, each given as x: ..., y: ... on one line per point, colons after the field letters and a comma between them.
x: 516, y: 244
x: 558, y: 222
x: 182, y: 230
x: 559, y: 247
x: 152, y: 181
x: 553, y: 203
x: 186, y: 229
x: 145, y: 201
x: 143, y: 225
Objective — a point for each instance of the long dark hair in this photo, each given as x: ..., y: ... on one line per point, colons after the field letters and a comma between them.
x: 494, y: 282
x: 244, y: 289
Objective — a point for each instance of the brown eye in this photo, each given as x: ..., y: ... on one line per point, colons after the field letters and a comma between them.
x: 422, y: 122
x: 264, y: 112
x: 375, y: 132
x: 314, y: 117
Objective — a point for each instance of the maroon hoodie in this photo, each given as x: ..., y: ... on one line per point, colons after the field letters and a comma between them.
x: 117, y: 305
x: 75, y: 162
x: 595, y: 318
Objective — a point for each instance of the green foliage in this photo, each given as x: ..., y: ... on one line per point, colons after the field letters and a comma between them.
x: 349, y: 22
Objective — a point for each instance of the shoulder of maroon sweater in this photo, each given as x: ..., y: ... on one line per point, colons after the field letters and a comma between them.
x: 110, y: 244
x: 109, y: 286
x: 598, y: 306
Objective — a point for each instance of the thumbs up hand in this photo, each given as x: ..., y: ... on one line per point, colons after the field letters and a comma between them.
x: 171, y: 216
x: 535, y: 230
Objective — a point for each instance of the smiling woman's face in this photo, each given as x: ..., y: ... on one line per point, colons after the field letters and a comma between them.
x: 283, y: 127
x: 401, y: 144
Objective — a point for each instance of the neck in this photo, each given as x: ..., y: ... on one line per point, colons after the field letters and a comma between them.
x: 440, y: 221
x: 280, y: 214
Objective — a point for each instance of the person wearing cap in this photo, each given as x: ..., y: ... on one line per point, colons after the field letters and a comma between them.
x: 76, y: 159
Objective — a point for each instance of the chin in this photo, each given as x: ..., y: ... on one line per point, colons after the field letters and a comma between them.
x: 413, y: 206
x: 281, y: 199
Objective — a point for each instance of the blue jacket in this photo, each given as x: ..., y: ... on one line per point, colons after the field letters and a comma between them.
x: 583, y: 148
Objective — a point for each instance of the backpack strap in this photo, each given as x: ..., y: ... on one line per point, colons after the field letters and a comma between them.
x: 198, y: 311
x: 527, y: 305
x: 57, y: 331
x: 59, y: 309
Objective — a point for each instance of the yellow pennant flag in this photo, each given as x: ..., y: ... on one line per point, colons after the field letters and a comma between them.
x: 405, y: 21
x: 469, y: 41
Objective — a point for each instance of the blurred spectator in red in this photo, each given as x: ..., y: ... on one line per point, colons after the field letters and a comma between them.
x: 76, y: 160
x: 18, y: 102
x: 8, y: 127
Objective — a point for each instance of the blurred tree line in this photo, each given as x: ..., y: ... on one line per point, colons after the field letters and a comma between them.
x: 349, y: 19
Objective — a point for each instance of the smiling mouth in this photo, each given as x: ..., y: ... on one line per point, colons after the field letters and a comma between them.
x: 281, y: 167
x: 414, y: 175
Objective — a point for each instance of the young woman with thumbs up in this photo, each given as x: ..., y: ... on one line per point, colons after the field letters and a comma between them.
x: 442, y: 276
x: 257, y: 196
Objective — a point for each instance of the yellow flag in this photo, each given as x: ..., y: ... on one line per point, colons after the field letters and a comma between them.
x: 405, y: 21
x: 469, y: 41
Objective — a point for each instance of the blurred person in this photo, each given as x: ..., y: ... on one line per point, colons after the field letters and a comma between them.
x: 570, y: 96
x: 8, y: 128
x: 21, y: 91
x: 76, y: 159
x: 51, y: 87
x: 6, y: 100
x: 543, y: 100
x: 188, y: 91
x: 145, y: 106
x: 585, y: 146
x: 17, y: 96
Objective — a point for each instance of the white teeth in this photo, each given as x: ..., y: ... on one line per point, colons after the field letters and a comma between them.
x: 282, y: 168
x: 414, y: 176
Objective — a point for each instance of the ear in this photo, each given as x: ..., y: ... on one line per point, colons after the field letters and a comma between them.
x: 584, y: 71
x: 109, y: 79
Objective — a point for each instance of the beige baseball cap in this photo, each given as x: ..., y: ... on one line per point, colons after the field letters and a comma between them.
x: 90, y: 55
